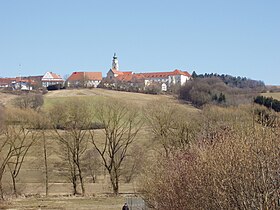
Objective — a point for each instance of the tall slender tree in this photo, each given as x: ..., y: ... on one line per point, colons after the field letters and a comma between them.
x: 72, y: 123
x: 121, y: 126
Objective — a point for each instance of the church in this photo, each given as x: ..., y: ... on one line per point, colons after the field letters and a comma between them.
x: 114, y: 72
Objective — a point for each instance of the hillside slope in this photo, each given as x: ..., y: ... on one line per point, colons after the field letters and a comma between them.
x: 97, y: 93
x: 273, y: 95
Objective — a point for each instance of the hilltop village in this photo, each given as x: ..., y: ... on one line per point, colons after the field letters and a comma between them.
x: 151, y: 82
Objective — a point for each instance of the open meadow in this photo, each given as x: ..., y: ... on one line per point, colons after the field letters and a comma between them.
x: 96, y: 94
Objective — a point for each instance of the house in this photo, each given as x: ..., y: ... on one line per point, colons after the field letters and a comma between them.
x: 50, y: 79
x: 6, y: 82
x: 21, y: 83
x: 24, y: 83
x: 84, y: 79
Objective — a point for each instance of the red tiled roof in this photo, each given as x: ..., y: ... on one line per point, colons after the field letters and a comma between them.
x: 22, y: 79
x: 127, y: 72
x: 76, y: 76
x: 130, y: 77
x: 185, y: 73
x: 126, y: 78
x: 121, y: 72
x: 165, y: 74
x: 115, y: 71
x: 36, y: 78
x: 55, y: 76
x: 6, y: 81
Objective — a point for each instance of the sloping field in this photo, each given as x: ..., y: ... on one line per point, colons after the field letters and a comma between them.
x: 273, y: 95
x: 31, y: 177
x: 97, y: 93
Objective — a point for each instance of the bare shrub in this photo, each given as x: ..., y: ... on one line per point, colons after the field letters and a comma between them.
x: 134, y: 163
x: 29, y: 101
x: 173, y: 127
x: 236, y: 170
x: 92, y: 164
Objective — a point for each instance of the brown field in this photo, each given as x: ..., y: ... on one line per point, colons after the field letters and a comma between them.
x: 31, y: 177
x: 273, y: 95
x: 65, y: 203
x: 97, y: 94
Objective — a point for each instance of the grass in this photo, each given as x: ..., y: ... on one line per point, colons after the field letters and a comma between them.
x: 273, y: 95
x: 96, y: 94
x: 65, y: 203
x: 31, y: 177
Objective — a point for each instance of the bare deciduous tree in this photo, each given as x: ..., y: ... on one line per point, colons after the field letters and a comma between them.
x: 16, y: 139
x: 75, y: 120
x: 41, y: 122
x: 172, y: 126
x: 92, y: 164
x: 21, y: 140
x: 6, y: 152
x: 121, y: 125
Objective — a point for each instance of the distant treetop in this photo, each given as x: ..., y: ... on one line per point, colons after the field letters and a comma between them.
x: 239, y: 82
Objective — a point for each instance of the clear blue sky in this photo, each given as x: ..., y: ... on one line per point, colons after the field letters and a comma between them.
x: 237, y: 37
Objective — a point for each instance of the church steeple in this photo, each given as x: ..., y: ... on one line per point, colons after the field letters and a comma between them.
x: 115, y: 63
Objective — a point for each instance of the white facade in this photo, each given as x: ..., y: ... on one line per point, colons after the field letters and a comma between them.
x: 170, y: 80
x: 87, y: 83
x: 163, y: 87
x: 22, y: 86
x: 178, y: 79
x: 51, y: 79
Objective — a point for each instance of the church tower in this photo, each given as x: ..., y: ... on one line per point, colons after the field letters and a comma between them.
x: 115, y: 63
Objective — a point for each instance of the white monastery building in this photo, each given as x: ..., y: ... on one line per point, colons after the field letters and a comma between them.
x: 175, y: 77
